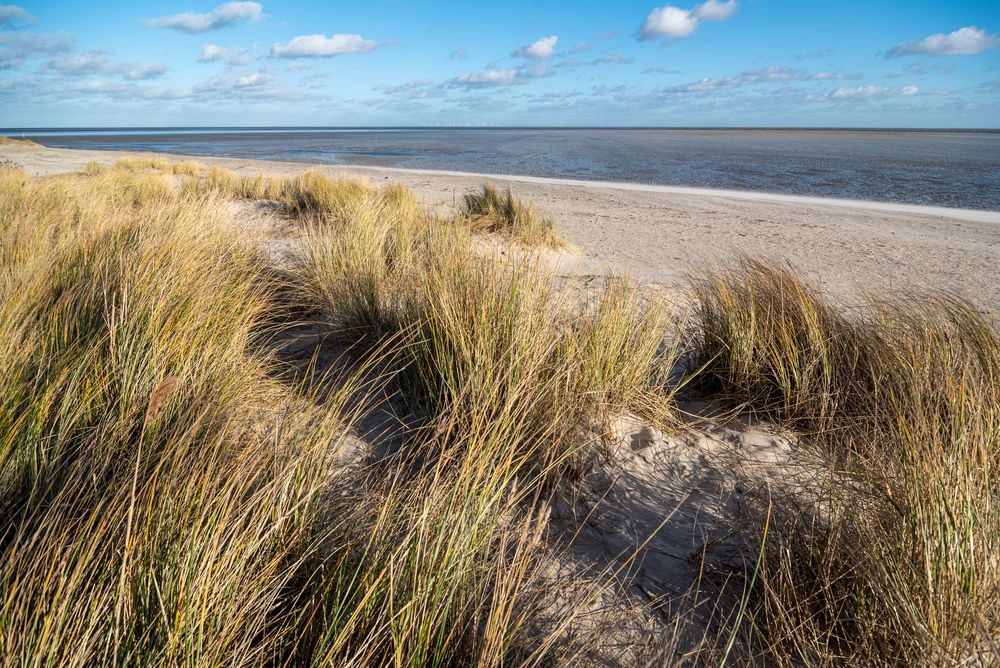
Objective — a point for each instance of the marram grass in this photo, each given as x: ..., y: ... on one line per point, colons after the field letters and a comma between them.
x: 169, y: 500
x: 493, y: 210
x: 171, y: 497
x: 894, y: 558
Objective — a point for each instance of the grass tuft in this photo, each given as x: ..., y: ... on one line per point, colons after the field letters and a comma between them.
x: 13, y: 141
x: 159, y: 164
x: 893, y: 556
x: 500, y: 212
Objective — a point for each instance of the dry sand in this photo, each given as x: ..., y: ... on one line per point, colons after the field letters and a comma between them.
x: 660, y: 234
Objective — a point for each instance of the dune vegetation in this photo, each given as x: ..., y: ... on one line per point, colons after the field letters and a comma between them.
x: 5, y: 140
x: 187, y: 479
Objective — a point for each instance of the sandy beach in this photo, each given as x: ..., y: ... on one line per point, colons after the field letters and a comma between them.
x: 661, y: 234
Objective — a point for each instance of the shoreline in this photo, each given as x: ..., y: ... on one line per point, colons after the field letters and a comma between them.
x: 977, y: 215
x: 958, y: 213
x: 664, y: 234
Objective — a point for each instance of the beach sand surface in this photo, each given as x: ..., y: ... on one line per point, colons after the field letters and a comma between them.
x: 662, y: 234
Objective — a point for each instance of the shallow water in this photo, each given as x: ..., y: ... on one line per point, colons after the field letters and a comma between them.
x: 943, y: 168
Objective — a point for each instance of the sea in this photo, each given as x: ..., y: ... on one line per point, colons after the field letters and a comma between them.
x: 954, y: 168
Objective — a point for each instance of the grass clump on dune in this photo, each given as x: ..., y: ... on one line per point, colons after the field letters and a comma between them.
x: 480, y: 332
x: 312, y: 194
x: 496, y: 211
x: 169, y: 501
x: 151, y: 515
x: 168, y: 166
x: 896, y: 558
x: 14, y: 141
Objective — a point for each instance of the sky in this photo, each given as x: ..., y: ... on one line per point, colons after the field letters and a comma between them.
x: 581, y: 63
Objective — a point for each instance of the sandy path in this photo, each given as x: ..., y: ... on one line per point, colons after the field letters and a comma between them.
x: 660, y: 234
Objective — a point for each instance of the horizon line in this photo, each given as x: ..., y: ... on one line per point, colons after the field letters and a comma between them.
x: 776, y: 128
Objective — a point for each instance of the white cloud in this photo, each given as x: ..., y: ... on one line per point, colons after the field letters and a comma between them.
x: 213, y: 53
x: 492, y: 77
x: 963, y: 42
x: 712, y: 10
x: 22, y: 46
x: 543, y: 48
x: 486, y: 78
x: 668, y: 22
x: 91, y: 63
x: 315, y: 46
x: 873, y: 92
x: 673, y: 22
x: 260, y: 84
x: 12, y: 16
x: 142, y: 70
x: 459, y: 53
x: 222, y: 16
x: 87, y: 63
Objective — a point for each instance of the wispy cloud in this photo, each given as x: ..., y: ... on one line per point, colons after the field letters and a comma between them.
x: 223, y: 16
x: 872, y: 92
x: 97, y: 62
x: 460, y: 53
x: 540, y: 49
x: 757, y: 76
x: 13, y: 17
x: 20, y: 46
x: 914, y: 68
x: 321, y: 46
x: 613, y: 59
x: 669, y: 22
x: 259, y: 84
x: 988, y: 87
x: 484, y: 79
x: 580, y: 47
x: 815, y: 55
x: 495, y: 77
x: 213, y: 53
x: 660, y: 70
x: 610, y: 59
x: 420, y: 89
x: 966, y: 41
x: 87, y: 63
x: 142, y: 70
x: 484, y: 103
x: 712, y: 10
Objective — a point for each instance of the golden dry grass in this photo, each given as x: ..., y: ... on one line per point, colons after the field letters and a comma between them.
x: 896, y: 557
x: 4, y: 140
x: 159, y: 164
x: 496, y: 211
x: 170, y: 500
x: 171, y: 497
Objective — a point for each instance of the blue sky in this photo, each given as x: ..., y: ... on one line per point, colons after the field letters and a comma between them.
x: 623, y: 63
